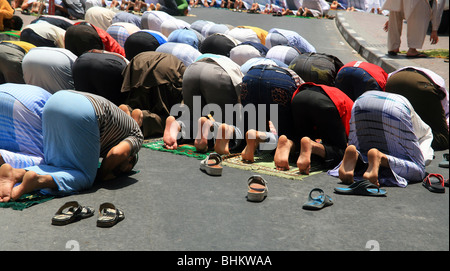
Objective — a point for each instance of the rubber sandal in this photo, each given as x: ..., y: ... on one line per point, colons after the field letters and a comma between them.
x: 212, y: 164
x: 109, y: 215
x: 432, y: 185
x: 257, y: 188
x: 319, y: 202
x: 362, y: 188
x: 70, y: 212
x: 444, y: 163
x: 446, y: 183
x: 392, y: 53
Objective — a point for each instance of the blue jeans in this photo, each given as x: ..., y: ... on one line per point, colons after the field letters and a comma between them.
x: 266, y: 85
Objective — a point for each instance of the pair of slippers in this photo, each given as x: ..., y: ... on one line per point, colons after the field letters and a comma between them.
x: 72, y: 211
x: 362, y: 188
x: 435, y: 183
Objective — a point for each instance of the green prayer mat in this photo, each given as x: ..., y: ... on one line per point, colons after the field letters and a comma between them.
x: 26, y: 200
x: 263, y: 162
x: 439, y: 53
x: 187, y: 150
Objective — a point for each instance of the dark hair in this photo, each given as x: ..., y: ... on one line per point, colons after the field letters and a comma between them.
x: 16, y: 23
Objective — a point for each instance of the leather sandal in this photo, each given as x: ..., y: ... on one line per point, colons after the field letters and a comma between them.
x: 71, y: 212
x: 257, y: 188
x: 212, y: 164
x: 109, y: 215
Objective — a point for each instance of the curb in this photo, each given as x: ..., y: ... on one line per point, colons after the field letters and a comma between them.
x: 359, y: 44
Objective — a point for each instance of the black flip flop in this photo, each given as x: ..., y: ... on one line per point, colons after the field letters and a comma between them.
x: 319, y: 202
x: 362, y: 188
x: 71, y: 212
x: 432, y: 185
x: 392, y: 53
x: 109, y: 215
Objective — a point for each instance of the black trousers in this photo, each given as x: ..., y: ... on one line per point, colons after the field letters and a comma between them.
x: 316, y: 116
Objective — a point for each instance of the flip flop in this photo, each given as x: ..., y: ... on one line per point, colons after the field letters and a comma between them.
x: 444, y: 163
x: 362, y: 188
x: 257, y: 188
x: 392, y: 53
x: 212, y: 164
x: 109, y: 215
x: 71, y: 212
x: 419, y: 55
x: 319, y: 202
x: 432, y: 185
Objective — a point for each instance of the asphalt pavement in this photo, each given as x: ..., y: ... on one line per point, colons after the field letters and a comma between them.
x: 170, y: 205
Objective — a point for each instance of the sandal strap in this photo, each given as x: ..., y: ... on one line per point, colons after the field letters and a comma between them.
x: 214, y: 156
x: 78, y: 208
x: 436, y: 175
x: 315, y: 190
x: 256, y: 179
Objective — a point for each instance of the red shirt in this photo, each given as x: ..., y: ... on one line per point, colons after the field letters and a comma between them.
x: 342, y: 102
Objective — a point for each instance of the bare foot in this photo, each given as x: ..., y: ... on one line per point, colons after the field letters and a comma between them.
x: 7, y: 182
x: 347, y: 167
x: 281, y: 157
x: 201, y: 140
x: 253, y: 138
x: 31, y: 181
x: 304, y: 159
x: 138, y: 116
x: 171, y: 133
x: 376, y: 159
x: 223, y: 137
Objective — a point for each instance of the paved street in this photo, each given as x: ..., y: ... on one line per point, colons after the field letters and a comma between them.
x: 171, y: 205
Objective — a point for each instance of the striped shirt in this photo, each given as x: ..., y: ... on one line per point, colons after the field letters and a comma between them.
x: 388, y: 122
x: 21, y: 107
x: 115, y: 125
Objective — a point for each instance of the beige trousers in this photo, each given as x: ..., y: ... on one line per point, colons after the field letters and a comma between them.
x: 417, y: 26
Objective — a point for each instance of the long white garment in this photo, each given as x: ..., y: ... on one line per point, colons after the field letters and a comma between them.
x: 408, y: 6
x: 388, y: 122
